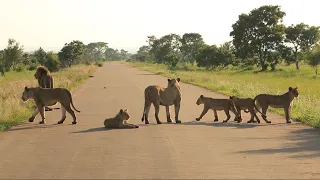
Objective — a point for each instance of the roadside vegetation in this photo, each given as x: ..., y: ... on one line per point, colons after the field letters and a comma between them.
x: 264, y: 56
x: 73, y: 64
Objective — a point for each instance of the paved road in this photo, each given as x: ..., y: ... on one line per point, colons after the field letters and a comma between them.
x: 189, y: 150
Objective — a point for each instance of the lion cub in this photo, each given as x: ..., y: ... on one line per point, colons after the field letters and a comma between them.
x: 217, y: 104
x: 245, y: 104
x: 120, y: 121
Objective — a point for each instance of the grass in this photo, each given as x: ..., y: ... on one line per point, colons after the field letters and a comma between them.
x: 249, y: 83
x: 13, y: 110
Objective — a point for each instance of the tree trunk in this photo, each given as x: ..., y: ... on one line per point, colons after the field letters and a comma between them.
x: 263, y: 66
x: 297, y: 65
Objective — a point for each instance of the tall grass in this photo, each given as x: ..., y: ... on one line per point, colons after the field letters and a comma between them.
x: 249, y: 83
x: 13, y: 110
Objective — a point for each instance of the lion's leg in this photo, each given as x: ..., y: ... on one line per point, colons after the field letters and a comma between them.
x: 128, y: 126
x: 176, y: 110
x: 227, y: 114
x: 215, y: 115
x: 264, y: 111
x: 156, y: 114
x: 168, y: 114
x: 205, y: 110
x: 239, y: 119
x: 34, y: 114
x: 71, y: 112
x: 42, y: 113
x: 146, y: 113
x: 287, y: 113
x: 63, y: 115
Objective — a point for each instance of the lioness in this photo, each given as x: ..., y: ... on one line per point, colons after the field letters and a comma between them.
x: 276, y: 101
x: 162, y: 96
x: 120, y: 121
x: 49, y: 97
x: 45, y: 80
x: 217, y: 104
x: 244, y: 104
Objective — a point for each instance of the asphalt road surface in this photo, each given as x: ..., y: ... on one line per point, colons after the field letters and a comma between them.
x: 204, y: 149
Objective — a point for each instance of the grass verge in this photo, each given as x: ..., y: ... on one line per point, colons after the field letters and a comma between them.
x: 13, y: 110
x: 249, y: 83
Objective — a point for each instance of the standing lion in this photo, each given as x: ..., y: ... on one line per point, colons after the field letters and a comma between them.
x: 45, y: 80
x: 156, y: 95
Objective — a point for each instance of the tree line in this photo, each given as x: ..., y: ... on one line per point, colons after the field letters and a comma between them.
x: 75, y: 52
x: 259, y: 38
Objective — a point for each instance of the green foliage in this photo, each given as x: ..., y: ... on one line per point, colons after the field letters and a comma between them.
x: 95, y: 51
x: 302, y: 38
x: 258, y: 33
x: 314, y: 58
x: 71, y: 53
x: 99, y: 64
x: 190, y: 45
x: 40, y: 56
x: 52, y: 62
x: 12, y: 55
x: 212, y: 56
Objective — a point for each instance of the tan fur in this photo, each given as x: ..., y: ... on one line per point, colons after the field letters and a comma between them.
x: 45, y: 80
x: 217, y: 104
x: 245, y: 104
x: 276, y: 101
x: 120, y: 121
x: 157, y: 96
x: 49, y: 97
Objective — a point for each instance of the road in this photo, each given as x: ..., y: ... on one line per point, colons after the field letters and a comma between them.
x: 204, y: 149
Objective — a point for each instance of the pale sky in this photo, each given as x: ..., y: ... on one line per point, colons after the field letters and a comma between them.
x: 127, y: 23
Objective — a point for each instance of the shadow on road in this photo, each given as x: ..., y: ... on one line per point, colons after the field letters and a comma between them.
x: 158, y: 73
x: 305, y: 143
x: 93, y: 130
x: 230, y: 124
x: 26, y: 126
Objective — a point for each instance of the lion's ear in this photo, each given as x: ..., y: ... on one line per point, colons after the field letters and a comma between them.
x: 290, y: 88
x: 126, y: 110
x: 178, y: 79
x: 169, y: 80
x: 26, y: 88
x: 121, y: 111
x: 230, y: 97
x: 201, y: 96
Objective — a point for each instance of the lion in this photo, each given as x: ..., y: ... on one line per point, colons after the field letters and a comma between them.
x: 171, y: 95
x: 276, y: 101
x: 245, y: 104
x: 45, y: 80
x: 49, y: 97
x: 217, y: 104
x: 120, y: 121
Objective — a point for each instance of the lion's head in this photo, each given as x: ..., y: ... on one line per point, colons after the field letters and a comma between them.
x: 294, y: 91
x: 123, y: 114
x: 200, y: 100
x: 41, y: 71
x: 27, y: 94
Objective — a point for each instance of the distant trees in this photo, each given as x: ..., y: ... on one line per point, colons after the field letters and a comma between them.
x: 75, y: 52
x: 258, y: 38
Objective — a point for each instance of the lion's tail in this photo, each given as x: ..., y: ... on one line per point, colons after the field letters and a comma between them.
x: 146, y: 99
x: 72, y: 101
x: 255, y: 106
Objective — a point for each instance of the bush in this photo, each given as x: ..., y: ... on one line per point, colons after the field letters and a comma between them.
x: 99, y: 64
x: 52, y: 62
x: 32, y: 67
x: 20, y: 67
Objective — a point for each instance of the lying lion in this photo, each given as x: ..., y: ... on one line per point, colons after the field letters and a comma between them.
x: 120, y: 121
x: 48, y: 97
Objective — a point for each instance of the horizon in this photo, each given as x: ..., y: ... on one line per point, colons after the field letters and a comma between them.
x: 125, y: 24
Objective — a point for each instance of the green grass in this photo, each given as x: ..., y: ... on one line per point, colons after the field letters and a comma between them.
x: 249, y: 83
x: 13, y: 110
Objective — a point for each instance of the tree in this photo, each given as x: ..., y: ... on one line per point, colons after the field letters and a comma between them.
x: 123, y: 54
x: 258, y: 33
x: 190, y: 45
x: 71, y: 53
x: 314, y: 58
x: 112, y: 54
x: 52, y: 63
x: 12, y: 55
x: 212, y: 56
x: 41, y: 55
x: 302, y: 38
x: 96, y: 50
x: 167, y: 49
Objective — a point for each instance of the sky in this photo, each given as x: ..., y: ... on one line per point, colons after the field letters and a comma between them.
x: 127, y: 23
